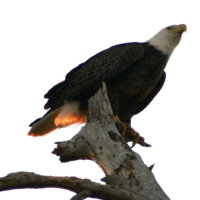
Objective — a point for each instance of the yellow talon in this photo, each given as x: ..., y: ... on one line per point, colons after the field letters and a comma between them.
x: 129, y: 134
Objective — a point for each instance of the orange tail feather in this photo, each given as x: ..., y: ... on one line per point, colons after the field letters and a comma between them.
x: 61, y: 117
x: 44, y: 125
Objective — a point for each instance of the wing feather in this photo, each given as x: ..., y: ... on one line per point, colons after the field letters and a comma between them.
x: 85, y: 79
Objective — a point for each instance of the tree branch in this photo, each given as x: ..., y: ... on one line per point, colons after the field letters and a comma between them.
x: 82, y: 195
x: 107, y: 148
x: 23, y: 180
x: 127, y: 177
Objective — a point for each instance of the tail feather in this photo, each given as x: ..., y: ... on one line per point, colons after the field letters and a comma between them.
x: 61, y: 117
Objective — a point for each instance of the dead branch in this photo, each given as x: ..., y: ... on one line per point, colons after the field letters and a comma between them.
x: 22, y: 180
x: 127, y: 177
x: 107, y: 148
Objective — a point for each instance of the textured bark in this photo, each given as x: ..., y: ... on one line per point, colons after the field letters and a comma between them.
x: 127, y: 177
x: 106, y: 147
x: 23, y: 180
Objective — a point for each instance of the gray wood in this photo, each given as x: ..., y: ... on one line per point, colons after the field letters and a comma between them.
x: 126, y: 175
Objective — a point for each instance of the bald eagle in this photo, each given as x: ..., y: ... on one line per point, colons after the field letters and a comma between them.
x: 133, y: 72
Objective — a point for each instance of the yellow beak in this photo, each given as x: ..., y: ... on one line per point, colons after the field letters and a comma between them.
x: 180, y: 28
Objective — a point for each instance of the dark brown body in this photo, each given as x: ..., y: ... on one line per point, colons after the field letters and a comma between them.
x: 133, y: 72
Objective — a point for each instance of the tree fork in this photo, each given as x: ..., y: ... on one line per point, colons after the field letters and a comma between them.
x: 127, y: 177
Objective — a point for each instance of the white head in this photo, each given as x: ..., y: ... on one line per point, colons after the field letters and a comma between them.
x: 168, y: 38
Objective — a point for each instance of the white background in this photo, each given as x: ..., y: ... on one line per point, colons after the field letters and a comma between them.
x: 41, y: 40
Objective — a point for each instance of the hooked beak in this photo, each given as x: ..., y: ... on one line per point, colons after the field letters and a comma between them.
x: 180, y: 28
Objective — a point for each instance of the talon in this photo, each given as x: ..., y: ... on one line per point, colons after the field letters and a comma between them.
x: 129, y: 133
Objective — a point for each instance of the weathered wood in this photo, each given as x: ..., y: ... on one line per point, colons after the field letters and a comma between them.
x: 23, y: 180
x: 127, y: 177
x: 82, y: 195
x: 121, y: 165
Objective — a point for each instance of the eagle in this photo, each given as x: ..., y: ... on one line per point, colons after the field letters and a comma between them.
x: 133, y: 73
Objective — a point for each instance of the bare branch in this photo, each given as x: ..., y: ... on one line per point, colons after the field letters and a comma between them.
x: 73, y: 150
x: 22, y: 180
x: 122, y: 166
x: 82, y: 195
x: 127, y: 177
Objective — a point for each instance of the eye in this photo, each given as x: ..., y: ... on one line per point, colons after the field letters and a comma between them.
x: 170, y: 27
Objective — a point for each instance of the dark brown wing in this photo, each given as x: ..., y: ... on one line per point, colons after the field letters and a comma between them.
x: 132, y: 109
x: 151, y: 96
x: 85, y: 79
